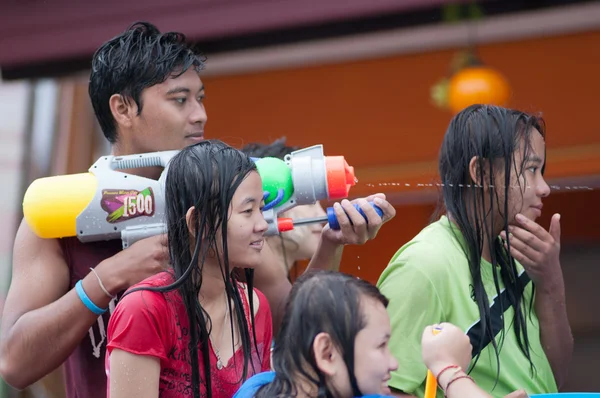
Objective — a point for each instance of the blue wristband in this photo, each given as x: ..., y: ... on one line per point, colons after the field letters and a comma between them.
x: 86, y: 300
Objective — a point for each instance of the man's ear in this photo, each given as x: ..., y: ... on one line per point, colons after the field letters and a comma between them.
x: 190, y: 221
x: 326, y: 354
x: 123, y: 111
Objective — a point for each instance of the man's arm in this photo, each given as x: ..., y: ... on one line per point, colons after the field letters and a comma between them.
x: 41, y: 325
x: 354, y: 230
x: 271, y: 278
x: 43, y: 321
x: 328, y: 256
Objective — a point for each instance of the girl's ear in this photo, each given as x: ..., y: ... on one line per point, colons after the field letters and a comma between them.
x: 191, y: 221
x: 474, y: 170
x: 477, y: 172
x: 326, y: 354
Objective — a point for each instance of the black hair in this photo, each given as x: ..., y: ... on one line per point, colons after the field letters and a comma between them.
x: 138, y: 58
x: 320, y: 302
x: 277, y: 149
x: 492, y: 135
x: 205, y: 176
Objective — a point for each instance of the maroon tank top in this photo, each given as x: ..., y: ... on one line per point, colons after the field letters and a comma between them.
x: 84, y: 369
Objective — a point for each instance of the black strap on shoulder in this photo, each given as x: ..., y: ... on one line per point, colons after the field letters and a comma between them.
x: 496, y: 315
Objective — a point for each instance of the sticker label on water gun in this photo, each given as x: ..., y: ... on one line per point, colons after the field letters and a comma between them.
x: 123, y: 205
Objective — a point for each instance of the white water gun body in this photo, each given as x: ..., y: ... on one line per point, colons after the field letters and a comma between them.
x: 106, y: 203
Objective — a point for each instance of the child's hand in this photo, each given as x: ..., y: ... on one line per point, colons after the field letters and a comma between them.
x: 451, y: 346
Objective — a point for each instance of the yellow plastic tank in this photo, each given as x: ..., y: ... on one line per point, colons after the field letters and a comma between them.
x: 52, y: 204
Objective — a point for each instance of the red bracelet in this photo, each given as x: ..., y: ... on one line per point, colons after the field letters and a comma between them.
x: 453, y: 380
x: 445, y: 369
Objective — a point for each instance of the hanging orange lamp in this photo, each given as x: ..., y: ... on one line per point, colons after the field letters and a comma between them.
x: 470, y: 82
x: 477, y: 84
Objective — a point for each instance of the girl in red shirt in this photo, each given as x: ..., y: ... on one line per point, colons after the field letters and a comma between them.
x: 194, y: 330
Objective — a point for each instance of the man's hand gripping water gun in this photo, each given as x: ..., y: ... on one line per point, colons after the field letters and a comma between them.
x: 106, y: 203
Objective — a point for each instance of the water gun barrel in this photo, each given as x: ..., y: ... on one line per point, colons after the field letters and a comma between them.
x: 317, y: 177
x: 340, y: 177
x: 52, y: 204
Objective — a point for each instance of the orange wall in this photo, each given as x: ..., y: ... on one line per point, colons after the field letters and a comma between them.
x: 378, y: 114
x: 384, y: 104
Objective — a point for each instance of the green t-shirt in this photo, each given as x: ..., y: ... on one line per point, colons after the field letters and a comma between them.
x: 428, y: 281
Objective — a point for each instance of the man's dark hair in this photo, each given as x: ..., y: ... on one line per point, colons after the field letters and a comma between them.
x: 277, y: 149
x: 136, y: 59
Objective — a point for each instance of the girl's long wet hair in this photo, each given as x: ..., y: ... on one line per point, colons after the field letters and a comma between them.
x: 320, y: 302
x: 278, y: 149
x: 492, y: 135
x: 205, y: 176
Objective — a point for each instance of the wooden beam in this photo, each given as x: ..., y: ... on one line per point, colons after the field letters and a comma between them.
x: 66, y: 29
x: 548, y: 22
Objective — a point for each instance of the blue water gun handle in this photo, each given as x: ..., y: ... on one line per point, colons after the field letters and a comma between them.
x: 332, y: 218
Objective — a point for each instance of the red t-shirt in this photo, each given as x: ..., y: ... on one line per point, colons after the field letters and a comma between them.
x: 156, y: 324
